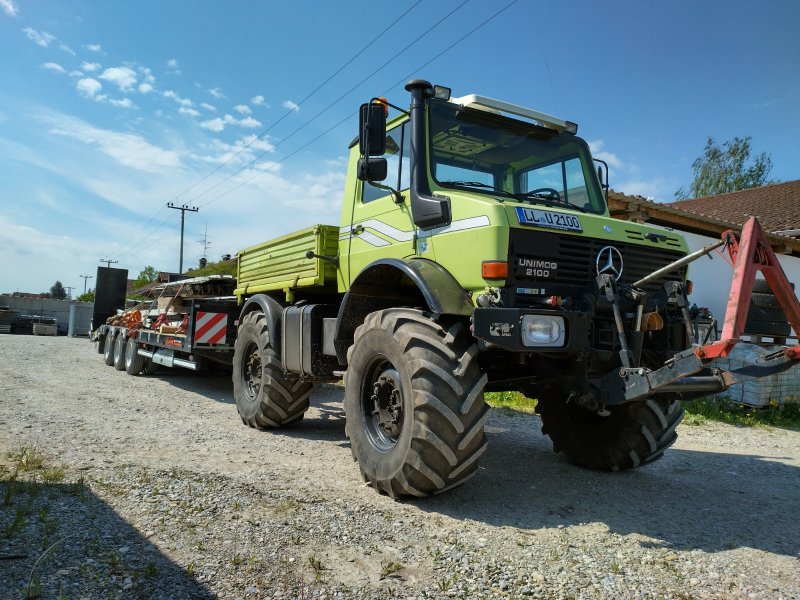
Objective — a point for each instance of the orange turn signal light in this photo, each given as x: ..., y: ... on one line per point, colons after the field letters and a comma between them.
x: 494, y: 269
x: 385, y: 103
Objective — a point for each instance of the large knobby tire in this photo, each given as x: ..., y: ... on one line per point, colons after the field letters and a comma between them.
x: 108, y: 350
x: 134, y: 362
x: 414, y: 403
x: 636, y: 433
x: 120, y: 345
x: 264, y: 396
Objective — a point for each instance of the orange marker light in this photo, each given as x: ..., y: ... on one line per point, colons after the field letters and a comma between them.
x: 494, y: 269
x: 385, y: 103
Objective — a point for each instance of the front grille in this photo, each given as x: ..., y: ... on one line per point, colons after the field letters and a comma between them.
x: 575, y: 258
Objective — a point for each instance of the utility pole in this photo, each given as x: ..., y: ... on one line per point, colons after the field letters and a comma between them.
x: 86, y: 278
x: 183, y: 208
x: 108, y: 262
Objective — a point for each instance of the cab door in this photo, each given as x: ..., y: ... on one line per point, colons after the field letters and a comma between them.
x: 379, y: 226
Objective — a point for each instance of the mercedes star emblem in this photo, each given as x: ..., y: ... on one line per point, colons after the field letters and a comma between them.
x: 609, y: 262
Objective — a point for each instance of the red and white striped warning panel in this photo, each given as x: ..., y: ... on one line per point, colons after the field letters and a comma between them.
x: 210, y: 328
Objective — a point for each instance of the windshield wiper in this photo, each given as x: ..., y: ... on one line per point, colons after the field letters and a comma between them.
x: 477, y: 184
x: 541, y: 197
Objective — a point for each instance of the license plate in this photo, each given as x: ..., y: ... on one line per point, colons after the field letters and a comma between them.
x: 550, y: 220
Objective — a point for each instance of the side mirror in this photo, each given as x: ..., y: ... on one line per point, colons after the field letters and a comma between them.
x: 372, y: 130
x: 375, y: 169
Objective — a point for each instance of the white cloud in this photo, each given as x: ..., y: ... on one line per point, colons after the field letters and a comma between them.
x: 145, y: 88
x: 172, y: 63
x: 93, y: 47
x: 213, y: 124
x: 217, y: 93
x: 89, y: 87
x: 257, y: 100
x: 41, y: 38
x: 124, y: 103
x: 596, y: 146
x: 291, y: 105
x: 243, y: 109
x: 123, y: 77
x: 249, y: 123
x: 90, y: 67
x: 9, y: 7
x: 51, y: 66
x: 76, y: 73
x: 208, y: 107
x: 230, y: 119
x: 127, y: 149
x: 182, y: 101
x: 189, y: 111
x: 66, y: 49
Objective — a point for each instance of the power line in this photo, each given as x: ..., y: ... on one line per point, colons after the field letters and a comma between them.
x: 351, y: 115
x: 329, y: 106
x: 309, y: 95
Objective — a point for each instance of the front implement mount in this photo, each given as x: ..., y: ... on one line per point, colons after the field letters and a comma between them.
x: 693, y: 371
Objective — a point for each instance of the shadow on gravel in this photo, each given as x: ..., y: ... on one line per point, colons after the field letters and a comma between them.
x: 214, y: 385
x: 60, y: 540
x: 688, y: 499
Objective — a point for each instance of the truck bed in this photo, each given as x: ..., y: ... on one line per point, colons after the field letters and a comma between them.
x: 281, y: 263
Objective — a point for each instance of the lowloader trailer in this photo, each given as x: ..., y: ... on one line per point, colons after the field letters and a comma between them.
x: 475, y: 252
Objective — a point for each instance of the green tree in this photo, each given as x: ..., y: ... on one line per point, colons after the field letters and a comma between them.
x: 86, y: 297
x: 57, y: 291
x: 148, y: 275
x: 723, y: 169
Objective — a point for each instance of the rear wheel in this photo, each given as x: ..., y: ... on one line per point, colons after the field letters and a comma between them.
x: 414, y: 403
x: 150, y: 367
x: 108, y: 350
x: 134, y: 362
x: 119, y: 352
x: 264, y: 396
x: 634, y: 434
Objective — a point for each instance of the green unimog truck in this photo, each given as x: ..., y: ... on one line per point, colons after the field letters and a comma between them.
x: 475, y: 253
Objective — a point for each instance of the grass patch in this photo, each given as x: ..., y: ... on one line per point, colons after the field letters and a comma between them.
x: 511, y: 401
x: 703, y: 410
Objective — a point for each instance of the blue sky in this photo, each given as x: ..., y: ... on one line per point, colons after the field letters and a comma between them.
x: 109, y: 110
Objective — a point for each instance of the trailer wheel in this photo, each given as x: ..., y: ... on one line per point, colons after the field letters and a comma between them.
x: 134, y: 362
x: 265, y: 398
x: 414, y: 403
x: 636, y: 433
x: 150, y: 367
x: 108, y: 350
x: 101, y: 345
x: 119, y: 352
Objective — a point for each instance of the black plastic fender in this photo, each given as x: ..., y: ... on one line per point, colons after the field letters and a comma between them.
x: 394, y: 282
x: 273, y: 311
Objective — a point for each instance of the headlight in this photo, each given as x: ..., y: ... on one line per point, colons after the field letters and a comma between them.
x: 543, y: 331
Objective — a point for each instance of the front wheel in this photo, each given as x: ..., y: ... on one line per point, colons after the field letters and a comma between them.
x: 414, y: 403
x: 634, y: 434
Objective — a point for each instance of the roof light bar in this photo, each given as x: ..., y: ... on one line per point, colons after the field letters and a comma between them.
x: 484, y: 103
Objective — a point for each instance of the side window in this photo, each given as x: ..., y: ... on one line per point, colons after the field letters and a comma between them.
x: 398, y: 160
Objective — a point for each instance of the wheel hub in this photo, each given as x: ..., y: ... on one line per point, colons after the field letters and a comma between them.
x: 252, y: 373
x: 387, y: 402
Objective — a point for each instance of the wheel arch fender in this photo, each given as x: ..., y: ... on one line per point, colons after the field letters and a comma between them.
x: 394, y: 282
x: 273, y: 311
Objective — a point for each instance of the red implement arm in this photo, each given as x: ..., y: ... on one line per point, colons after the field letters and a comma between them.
x: 750, y: 254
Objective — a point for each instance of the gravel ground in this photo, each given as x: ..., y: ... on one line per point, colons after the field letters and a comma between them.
x: 152, y: 488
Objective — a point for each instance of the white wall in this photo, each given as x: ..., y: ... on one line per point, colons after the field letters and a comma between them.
x: 712, y: 276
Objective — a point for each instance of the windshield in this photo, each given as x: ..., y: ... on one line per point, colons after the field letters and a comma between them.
x: 488, y: 153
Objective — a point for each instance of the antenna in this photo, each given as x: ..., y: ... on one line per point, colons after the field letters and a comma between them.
x: 204, y: 241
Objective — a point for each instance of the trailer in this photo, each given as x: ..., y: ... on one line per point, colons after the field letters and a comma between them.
x: 189, y: 323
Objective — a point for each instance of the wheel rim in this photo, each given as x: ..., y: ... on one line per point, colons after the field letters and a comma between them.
x: 382, y: 404
x: 251, y: 371
x: 129, y: 357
